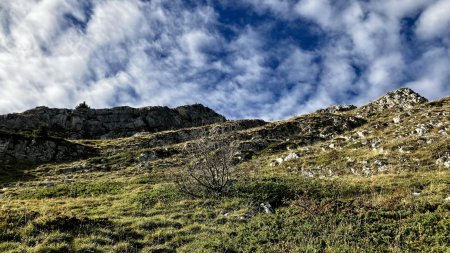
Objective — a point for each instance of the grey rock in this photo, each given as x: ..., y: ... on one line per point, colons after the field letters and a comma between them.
x: 266, y: 207
x: 109, y: 123
x: 147, y: 157
x: 308, y: 174
x: 21, y: 149
x: 363, y: 133
x: 291, y: 156
x: 337, y: 109
x: 401, y: 100
x: 444, y: 160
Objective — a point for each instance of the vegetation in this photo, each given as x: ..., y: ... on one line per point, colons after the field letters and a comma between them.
x: 118, y: 202
x: 210, y: 170
x: 147, y: 214
x: 82, y: 106
x: 42, y: 131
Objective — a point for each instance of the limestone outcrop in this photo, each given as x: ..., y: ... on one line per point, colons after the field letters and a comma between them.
x: 108, y: 123
x: 15, y: 148
x: 400, y: 100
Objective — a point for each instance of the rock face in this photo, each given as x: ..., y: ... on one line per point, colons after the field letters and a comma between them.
x: 401, y: 99
x: 15, y: 148
x: 304, y: 130
x: 154, y: 140
x: 109, y: 123
x: 337, y: 109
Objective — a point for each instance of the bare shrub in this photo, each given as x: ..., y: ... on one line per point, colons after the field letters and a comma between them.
x: 210, y: 168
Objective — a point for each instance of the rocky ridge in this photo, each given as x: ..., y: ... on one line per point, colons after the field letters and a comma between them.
x: 108, y: 123
x: 251, y: 136
x: 400, y: 100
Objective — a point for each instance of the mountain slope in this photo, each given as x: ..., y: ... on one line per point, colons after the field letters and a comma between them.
x: 343, y: 179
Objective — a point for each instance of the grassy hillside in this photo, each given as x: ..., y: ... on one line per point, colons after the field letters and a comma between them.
x: 378, y: 186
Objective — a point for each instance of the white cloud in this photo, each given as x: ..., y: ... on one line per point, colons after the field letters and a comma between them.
x: 318, y: 10
x: 299, y: 67
x: 399, y: 8
x: 435, y: 20
x: 374, y: 30
x: 385, y: 69
x: 194, y: 42
x: 282, y: 8
x: 115, y: 21
x: 140, y: 53
x: 431, y: 73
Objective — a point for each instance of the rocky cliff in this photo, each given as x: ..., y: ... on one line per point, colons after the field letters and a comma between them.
x: 108, y: 123
x: 16, y: 148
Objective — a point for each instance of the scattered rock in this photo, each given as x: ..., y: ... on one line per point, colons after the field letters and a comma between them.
x: 420, y: 131
x: 225, y: 213
x: 291, y: 156
x: 277, y: 162
x: 47, y: 183
x: 444, y: 161
x: 363, y: 133
x: 147, y: 157
x: 247, y: 216
x: 308, y: 174
x: 375, y: 144
x: 280, y: 160
x: 68, y: 179
x: 368, y: 171
x: 378, y: 162
x: 382, y: 168
x: 406, y: 149
x: 401, y: 100
x: 266, y: 207
x: 76, y: 167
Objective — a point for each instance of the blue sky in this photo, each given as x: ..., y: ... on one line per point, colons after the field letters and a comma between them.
x: 268, y: 59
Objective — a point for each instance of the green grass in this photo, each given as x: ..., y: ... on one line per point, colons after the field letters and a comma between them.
x: 334, y: 215
x: 71, y: 190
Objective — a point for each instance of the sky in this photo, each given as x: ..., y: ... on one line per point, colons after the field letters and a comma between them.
x: 268, y: 59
